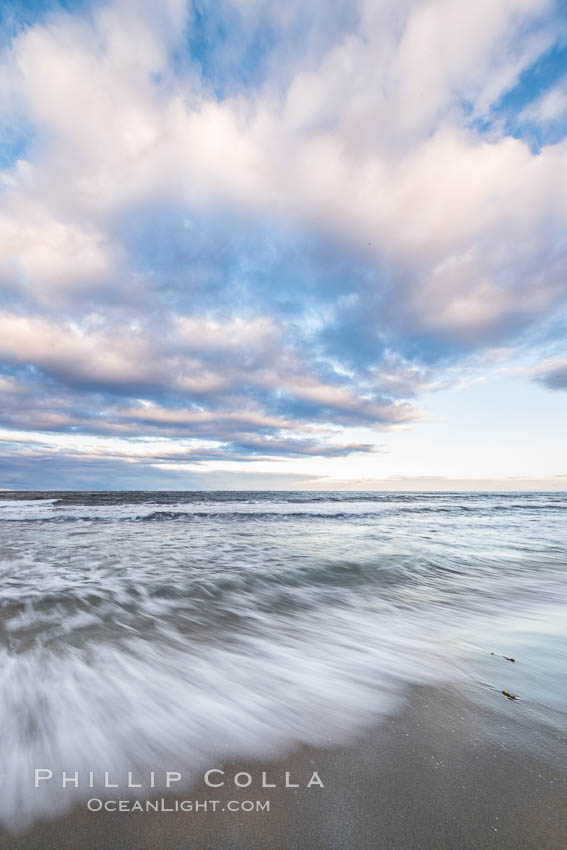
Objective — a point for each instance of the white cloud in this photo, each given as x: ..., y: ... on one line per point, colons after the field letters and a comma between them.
x: 372, y: 144
x: 548, y: 108
x: 337, y: 153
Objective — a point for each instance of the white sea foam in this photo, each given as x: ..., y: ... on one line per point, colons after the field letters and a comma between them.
x: 15, y: 509
x: 171, y: 645
x: 52, y: 509
x: 180, y: 705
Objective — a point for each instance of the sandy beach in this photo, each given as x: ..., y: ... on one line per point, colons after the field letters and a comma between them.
x: 459, y: 767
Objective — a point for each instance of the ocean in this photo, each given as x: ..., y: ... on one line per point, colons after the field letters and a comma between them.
x: 153, y: 631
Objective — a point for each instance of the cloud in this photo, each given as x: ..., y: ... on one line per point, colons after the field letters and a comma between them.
x: 553, y: 374
x: 262, y: 225
x: 549, y: 107
x: 235, y: 364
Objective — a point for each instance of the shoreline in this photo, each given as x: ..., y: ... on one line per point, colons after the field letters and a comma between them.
x: 460, y: 766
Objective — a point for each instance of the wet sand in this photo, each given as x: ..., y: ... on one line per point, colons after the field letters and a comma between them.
x: 459, y: 767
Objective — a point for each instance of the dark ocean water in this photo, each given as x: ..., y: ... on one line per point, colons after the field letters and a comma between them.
x: 144, y: 631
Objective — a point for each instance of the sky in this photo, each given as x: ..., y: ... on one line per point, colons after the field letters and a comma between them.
x: 247, y: 244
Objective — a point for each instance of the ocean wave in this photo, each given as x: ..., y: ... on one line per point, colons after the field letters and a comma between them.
x: 143, y: 705
x: 168, y: 631
x: 54, y: 510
